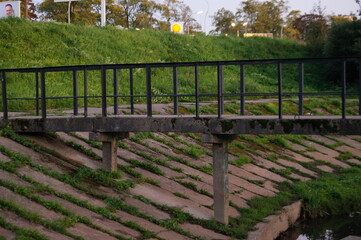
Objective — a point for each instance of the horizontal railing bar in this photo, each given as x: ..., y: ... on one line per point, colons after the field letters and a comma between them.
x: 183, y: 64
x: 201, y: 95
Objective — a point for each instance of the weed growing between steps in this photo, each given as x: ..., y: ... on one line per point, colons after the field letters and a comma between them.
x: 21, y: 233
x: 58, y: 226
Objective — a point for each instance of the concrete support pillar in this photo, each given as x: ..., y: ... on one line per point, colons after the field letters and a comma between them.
x: 220, y: 174
x: 110, y: 156
x: 110, y: 146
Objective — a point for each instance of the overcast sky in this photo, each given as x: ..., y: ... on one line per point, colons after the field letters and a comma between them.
x: 209, y: 7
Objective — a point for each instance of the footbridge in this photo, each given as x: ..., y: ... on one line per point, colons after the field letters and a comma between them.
x: 111, y: 101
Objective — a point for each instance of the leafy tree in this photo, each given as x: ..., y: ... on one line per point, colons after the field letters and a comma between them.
x: 263, y: 16
x: 170, y: 12
x: 269, y: 17
x: 82, y: 12
x: 313, y: 28
x: 115, y: 15
x: 359, y: 3
x: 344, y: 40
x: 139, y: 13
x: 189, y: 22
x: 289, y: 31
x: 249, y: 11
x: 223, y: 20
x: 177, y: 11
x: 148, y: 14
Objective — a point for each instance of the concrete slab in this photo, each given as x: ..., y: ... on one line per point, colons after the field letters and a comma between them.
x: 351, y: 238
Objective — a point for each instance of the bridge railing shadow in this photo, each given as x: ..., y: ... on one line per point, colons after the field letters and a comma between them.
x: 174, y: 83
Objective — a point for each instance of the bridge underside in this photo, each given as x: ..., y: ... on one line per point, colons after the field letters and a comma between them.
x: 308, y: 125
x: 216, y: 131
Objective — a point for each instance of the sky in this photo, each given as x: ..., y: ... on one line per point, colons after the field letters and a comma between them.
x: 210, y: 7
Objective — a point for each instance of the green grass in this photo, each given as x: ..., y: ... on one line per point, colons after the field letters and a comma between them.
x: 332, y: 194
x: 181, y: 195
x: 43, y: 44
x: 242, y: 159
x: 22, y: 234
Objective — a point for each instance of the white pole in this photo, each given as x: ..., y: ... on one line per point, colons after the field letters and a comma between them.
x: 103, y: 13
x: 69, y: 5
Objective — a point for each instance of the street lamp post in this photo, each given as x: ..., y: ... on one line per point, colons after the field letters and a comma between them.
x: 237, y: 29
x: 245, y: 26
x: 282, y: 30
x: 103, y: 13
x: 205, y: 17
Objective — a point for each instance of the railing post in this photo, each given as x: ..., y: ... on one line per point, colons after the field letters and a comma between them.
x: 343, y: 89
x: 149, y: 91
x: 131, y: 86
x: 104, y: 91
x: 175, y: 90
x: 301, y: 80
x: 359, y: 87
x: 75, y: 92
x: 4, y: 95
x: 115, y: 86
x: 85, y: 92
x: 43, y: 94
x: 37, y: 93
x: 196, y: 79
x: 280, y: 90
x: 242, y: 89
x: 220, y: 90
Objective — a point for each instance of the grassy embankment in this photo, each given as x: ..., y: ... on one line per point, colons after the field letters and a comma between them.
x: 39, y: 44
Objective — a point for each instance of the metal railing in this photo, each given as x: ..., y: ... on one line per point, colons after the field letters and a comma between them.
x: 41, y: 98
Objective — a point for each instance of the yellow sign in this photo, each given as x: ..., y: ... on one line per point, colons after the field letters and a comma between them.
x: 177, y: 27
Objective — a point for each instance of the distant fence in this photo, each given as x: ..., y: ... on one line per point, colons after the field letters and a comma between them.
x: 42, y: 77
x: 268, y: 35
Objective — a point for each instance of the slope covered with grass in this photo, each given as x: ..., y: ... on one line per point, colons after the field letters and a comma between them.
x: 38, y: 44
x: 26, y: 44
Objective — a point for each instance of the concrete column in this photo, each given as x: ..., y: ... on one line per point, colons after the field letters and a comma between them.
x: 110, y: 156
x: 220, y: 174
x: 110, y: 147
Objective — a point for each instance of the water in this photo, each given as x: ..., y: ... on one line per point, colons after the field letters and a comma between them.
x: 332, y: 228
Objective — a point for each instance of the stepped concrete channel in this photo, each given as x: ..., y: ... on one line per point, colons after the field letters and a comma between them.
x: 214, y: 136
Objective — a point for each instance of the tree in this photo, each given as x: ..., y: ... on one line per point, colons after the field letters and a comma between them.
x: 148, y: 14
x: 344, y: 40
x: 82, y: 12
x: 263, y: 16
x: 249, y: 11
x: 177, y: 11
x: 139, y: 13
x: 289, y: 31
x: 313, y: 28
x: 223, y: 20
x: 269, y: 17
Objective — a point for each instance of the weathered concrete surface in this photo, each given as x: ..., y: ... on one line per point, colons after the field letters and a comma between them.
x: 351, y: 238
x: 276, y: 224
x: 312, y: 125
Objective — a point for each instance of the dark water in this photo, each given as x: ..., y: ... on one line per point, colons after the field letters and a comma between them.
x: 332, y: 228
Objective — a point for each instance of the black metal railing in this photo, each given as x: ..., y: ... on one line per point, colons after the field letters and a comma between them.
x: 41, y: 94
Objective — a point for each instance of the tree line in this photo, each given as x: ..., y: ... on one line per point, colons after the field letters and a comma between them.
x: 251, y: 16
x: 130, y: 14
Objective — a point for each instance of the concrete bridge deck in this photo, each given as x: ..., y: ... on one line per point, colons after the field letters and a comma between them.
x: 228, y: 124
